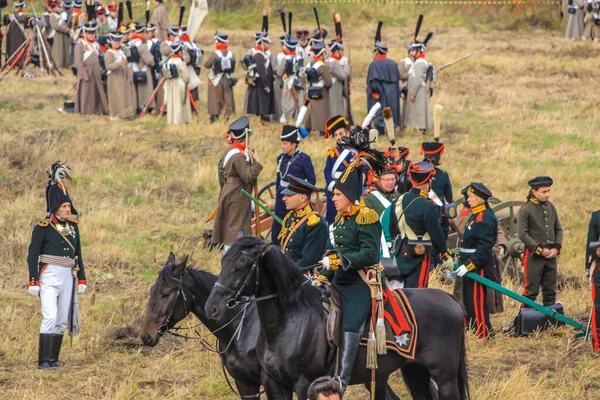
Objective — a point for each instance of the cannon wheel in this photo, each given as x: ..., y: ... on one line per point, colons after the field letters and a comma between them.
x: 267, y: 194
x: 506, y: 212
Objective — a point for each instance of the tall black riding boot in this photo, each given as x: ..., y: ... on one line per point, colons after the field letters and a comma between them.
x: 348, y: 350
x: 44, y: 353
x: 57, y: 339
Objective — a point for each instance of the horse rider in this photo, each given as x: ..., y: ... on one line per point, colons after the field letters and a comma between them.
x: 304, y: 232
x: 540, y: 230
x: 55, y: 251
x: 476, y: 255
x: 415, y: 225
x: 593, y: 274
x: 238, y: 169
x: 337, y: 159
x: 355, y: 237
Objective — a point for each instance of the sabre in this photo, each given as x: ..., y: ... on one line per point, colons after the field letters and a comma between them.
x: 463, y: 58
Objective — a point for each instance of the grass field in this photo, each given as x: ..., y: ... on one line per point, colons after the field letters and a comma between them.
x: 526, y: 107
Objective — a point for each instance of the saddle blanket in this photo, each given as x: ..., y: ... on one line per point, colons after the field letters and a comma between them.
x: 400, y: 324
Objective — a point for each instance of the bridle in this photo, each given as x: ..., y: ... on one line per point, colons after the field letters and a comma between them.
x: 254, y: 270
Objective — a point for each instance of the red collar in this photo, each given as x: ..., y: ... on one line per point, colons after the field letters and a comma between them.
x: 420, y: 55
x: 291, y: 53
x: 237, y: 145
x: 381, y: 57
x: 137, y: 36
x: 259, y: 48
x: 335, y: 57
x: 186, y: 38
x: 176, y: 56
x: 318, y: 59
x: 221, y: 46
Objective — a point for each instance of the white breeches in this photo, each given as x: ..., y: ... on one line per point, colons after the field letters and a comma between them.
x: 56, y: 288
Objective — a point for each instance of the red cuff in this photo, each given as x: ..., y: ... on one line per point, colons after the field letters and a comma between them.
x: 82, y: 282
x: 33, y: 283
x: 375, y: 96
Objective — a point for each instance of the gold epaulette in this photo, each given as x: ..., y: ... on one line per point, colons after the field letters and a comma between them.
x: 313, y: 220
x: 331, y: 152
x: 43, y: 223
x: 367, y: 216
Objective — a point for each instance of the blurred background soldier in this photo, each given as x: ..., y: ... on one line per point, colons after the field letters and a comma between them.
x: 55, y: 251
x: 238, y: 169
x: 120, y: 102
x: 194, y: 61
x: 575, y: 24
x: 303, y: 46
x: 383, y: 83
x: 404, y: 66
x: 592, y: 21
x: 141, y: 67
x: 63, y: 37
x: 221, y: 64
x: 318, y: 77
x: 291, y: 161
x: 420, y: 75
x: 153, y: 45
x: 276, y: 59
x: 179, y: 109
x: 160, y: 19
x: 260, y: 90
x: 288, y: 68
x: 15, y: 32
x: 89, y: 97
x: 340, y: 76
x: 112, y: 20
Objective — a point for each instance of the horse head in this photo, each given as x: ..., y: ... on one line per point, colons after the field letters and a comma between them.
x: 167, y: 304
x: 238, y: 278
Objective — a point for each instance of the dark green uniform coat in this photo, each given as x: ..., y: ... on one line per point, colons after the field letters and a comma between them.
x: 372, y: 201
x: 307, y: 243
x: 594, y: 236
x: 46, y: 240
x: 479, y: 237
x: 359, y: 242
x: 422, y: 216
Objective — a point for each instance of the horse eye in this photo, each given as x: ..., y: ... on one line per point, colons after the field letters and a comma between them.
x: 165, y: 295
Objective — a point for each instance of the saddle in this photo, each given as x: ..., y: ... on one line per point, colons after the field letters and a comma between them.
x: 400, y: 322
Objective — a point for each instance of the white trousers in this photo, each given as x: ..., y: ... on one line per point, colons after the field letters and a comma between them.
x: 56, y: 288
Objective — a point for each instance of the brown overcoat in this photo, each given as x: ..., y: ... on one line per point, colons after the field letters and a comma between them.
x: 89, y: 97
x: 61, y: 46
x: 319, y: 109
x: 340, y: 73
x: 143, y: 91
x: 120, y: 103
x: 160, y: 18
x: 221, y: 89
x: 15, y: 34
x: 234, y: 212
x: 260, y: 101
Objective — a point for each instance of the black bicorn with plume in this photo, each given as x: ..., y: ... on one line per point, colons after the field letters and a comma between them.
x: 56, y: 191
x: 360, y: 145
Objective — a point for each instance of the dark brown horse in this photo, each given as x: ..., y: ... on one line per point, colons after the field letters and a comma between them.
x: 293, y: 346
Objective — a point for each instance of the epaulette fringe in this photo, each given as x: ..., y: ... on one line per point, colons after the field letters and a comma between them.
x: 367, y: 216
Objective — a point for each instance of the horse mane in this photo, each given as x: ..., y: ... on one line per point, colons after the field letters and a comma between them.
x: 204, y: 278
x: 288, y: 279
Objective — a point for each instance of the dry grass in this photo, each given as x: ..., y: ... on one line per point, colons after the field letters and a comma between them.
x: 527, y: 107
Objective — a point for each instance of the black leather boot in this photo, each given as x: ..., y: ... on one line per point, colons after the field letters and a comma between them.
x: 55, y: 349
x: 348, y: 350
x: 44, y: 353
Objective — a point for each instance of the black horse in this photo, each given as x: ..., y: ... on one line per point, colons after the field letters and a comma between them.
x: 293, y: 346
x: 179, y: 290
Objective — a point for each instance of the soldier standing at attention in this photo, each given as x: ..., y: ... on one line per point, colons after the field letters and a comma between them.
x: 476, y: 255
x: 340, y: 75
x: 415, y: 225
x: 221, y: 64
x: 404, y: 66
x: 540, y: 230
x: 54, y: 252
x: 304, y: 233
x: 160, y: 19
x: 591, y: 259
x: 288, y: 68
x: 15, y: 31
x: 303, y: 45
x: 121, y: 104
x: 89, y: 97
x: 576, y: 21
x: 420, y: 76
x: 291, y: 161
x: 238, y: 169
x: 260, y: 93
x: 61, y: 46
x: 337, y: 160
x: 318, y: 77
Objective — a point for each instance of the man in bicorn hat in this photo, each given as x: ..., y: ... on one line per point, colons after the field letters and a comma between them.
x: 260, y: 93
x: 540, y: 230
x: 15, y: 32
x: 160, y: 19
x: 89, y: 97
x: 304, y: 233
x: 318, y: 77
x: 337, y: 160
x: 221, y: 64
x: 340, y: 75
x: 238, y: 169
x: 415, y: 225
x: 383, y: 86
x: 294, y: 162
x: 54, y: 252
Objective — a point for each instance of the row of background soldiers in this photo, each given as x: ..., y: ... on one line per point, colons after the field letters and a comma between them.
x: 581, y: 19
x: 278, y: 84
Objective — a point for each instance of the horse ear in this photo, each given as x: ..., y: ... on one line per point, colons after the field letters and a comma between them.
x: 180, y: 268
x: 171, y: 259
